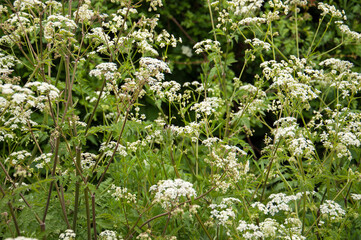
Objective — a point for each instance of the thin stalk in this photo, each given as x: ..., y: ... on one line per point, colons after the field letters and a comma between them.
x: 86, y: 196
x: 94, y: 219
x: 77, y: 188
x: 52, y: 174
x: 314, y: 37
x: 297, y: 46
x: 14, y: 219
x: 211, y: 16
x: 60, y: 192
x: 166, y: 224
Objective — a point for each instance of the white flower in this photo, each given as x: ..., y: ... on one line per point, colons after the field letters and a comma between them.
x: 109, y: 235
x: 109, y: 148
x: 169, y: 192
x: 257, y: 42
x: 332, y: 209
x: 122, y: 193
x: 207, y: 45
x: 105, y: 70
x: 355, y: 196
x: 224, y: 212
x: 207, y: 106
x: 67, y: 235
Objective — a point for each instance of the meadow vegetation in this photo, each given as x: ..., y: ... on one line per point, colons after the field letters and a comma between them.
x: 151, y: 119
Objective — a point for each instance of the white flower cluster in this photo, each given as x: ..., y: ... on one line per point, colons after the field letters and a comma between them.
x: 337, y: 64
x: 252, y: 21
x: 105, y: 70
x: 44, y: 89
x: 84, y: 13
x: 348, y: 32
x: 284, y: 80
x: 192, y: 130
x: 207, y: 45
x: 154, y: 66
x: 278, y: 202
x: 257, y: 42
x: 150, y: 68
x: 209, y: 142
x: 109, y: 148
x: 356, y: 196
x: 245, y: 7
x: 7, y: 62
x: 3, y: 9
x: 301, y: 147
x: 23, y: 5
x: 207, y: 107
x: 17, y: 25
x: 17, y: 157
x: 224, y: 213
x: 154, y: 4
x: 18, y: 103
x: 67, y: 235
x: 167, y: 90
x: 226, y: 160
x: 341, y: 131
x: 330, y: 9
x: 294, y: 80
x: 122, y: 193
x: 332, y: 209
x: 165, y: 39
x: 145, y: 235
x: 42, y: 160
x: 252, y: 231
x: 87, y: 160
x: 286, y: 128
x: 109, y: 235
x: 270, y: 228
x: 59, y: 29
x: 169, y: 192
x: 252, y: 102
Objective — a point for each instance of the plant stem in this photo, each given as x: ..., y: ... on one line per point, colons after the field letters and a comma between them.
x: 87, y: 209
x: 14, y: 219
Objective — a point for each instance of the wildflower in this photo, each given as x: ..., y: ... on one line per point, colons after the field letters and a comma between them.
x: 122, y: 193
x: 43, y: 159
x: 109, y: 235
x: 207, y: 106
x: 145, y: 235
x: 355, y: 196
x: 223, y: 212
x: 330, y: 9
x: 84, y: 14
x: 169, y: 192
x: 207, y: 46
x: 67, y: 235
x: 109, y: 148
x: 253, y: 20
x: 332, y: 209
x: 257, y: 42
x: 105, y: 70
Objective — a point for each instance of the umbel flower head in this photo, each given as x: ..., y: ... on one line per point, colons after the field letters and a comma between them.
x: 169, y: 192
